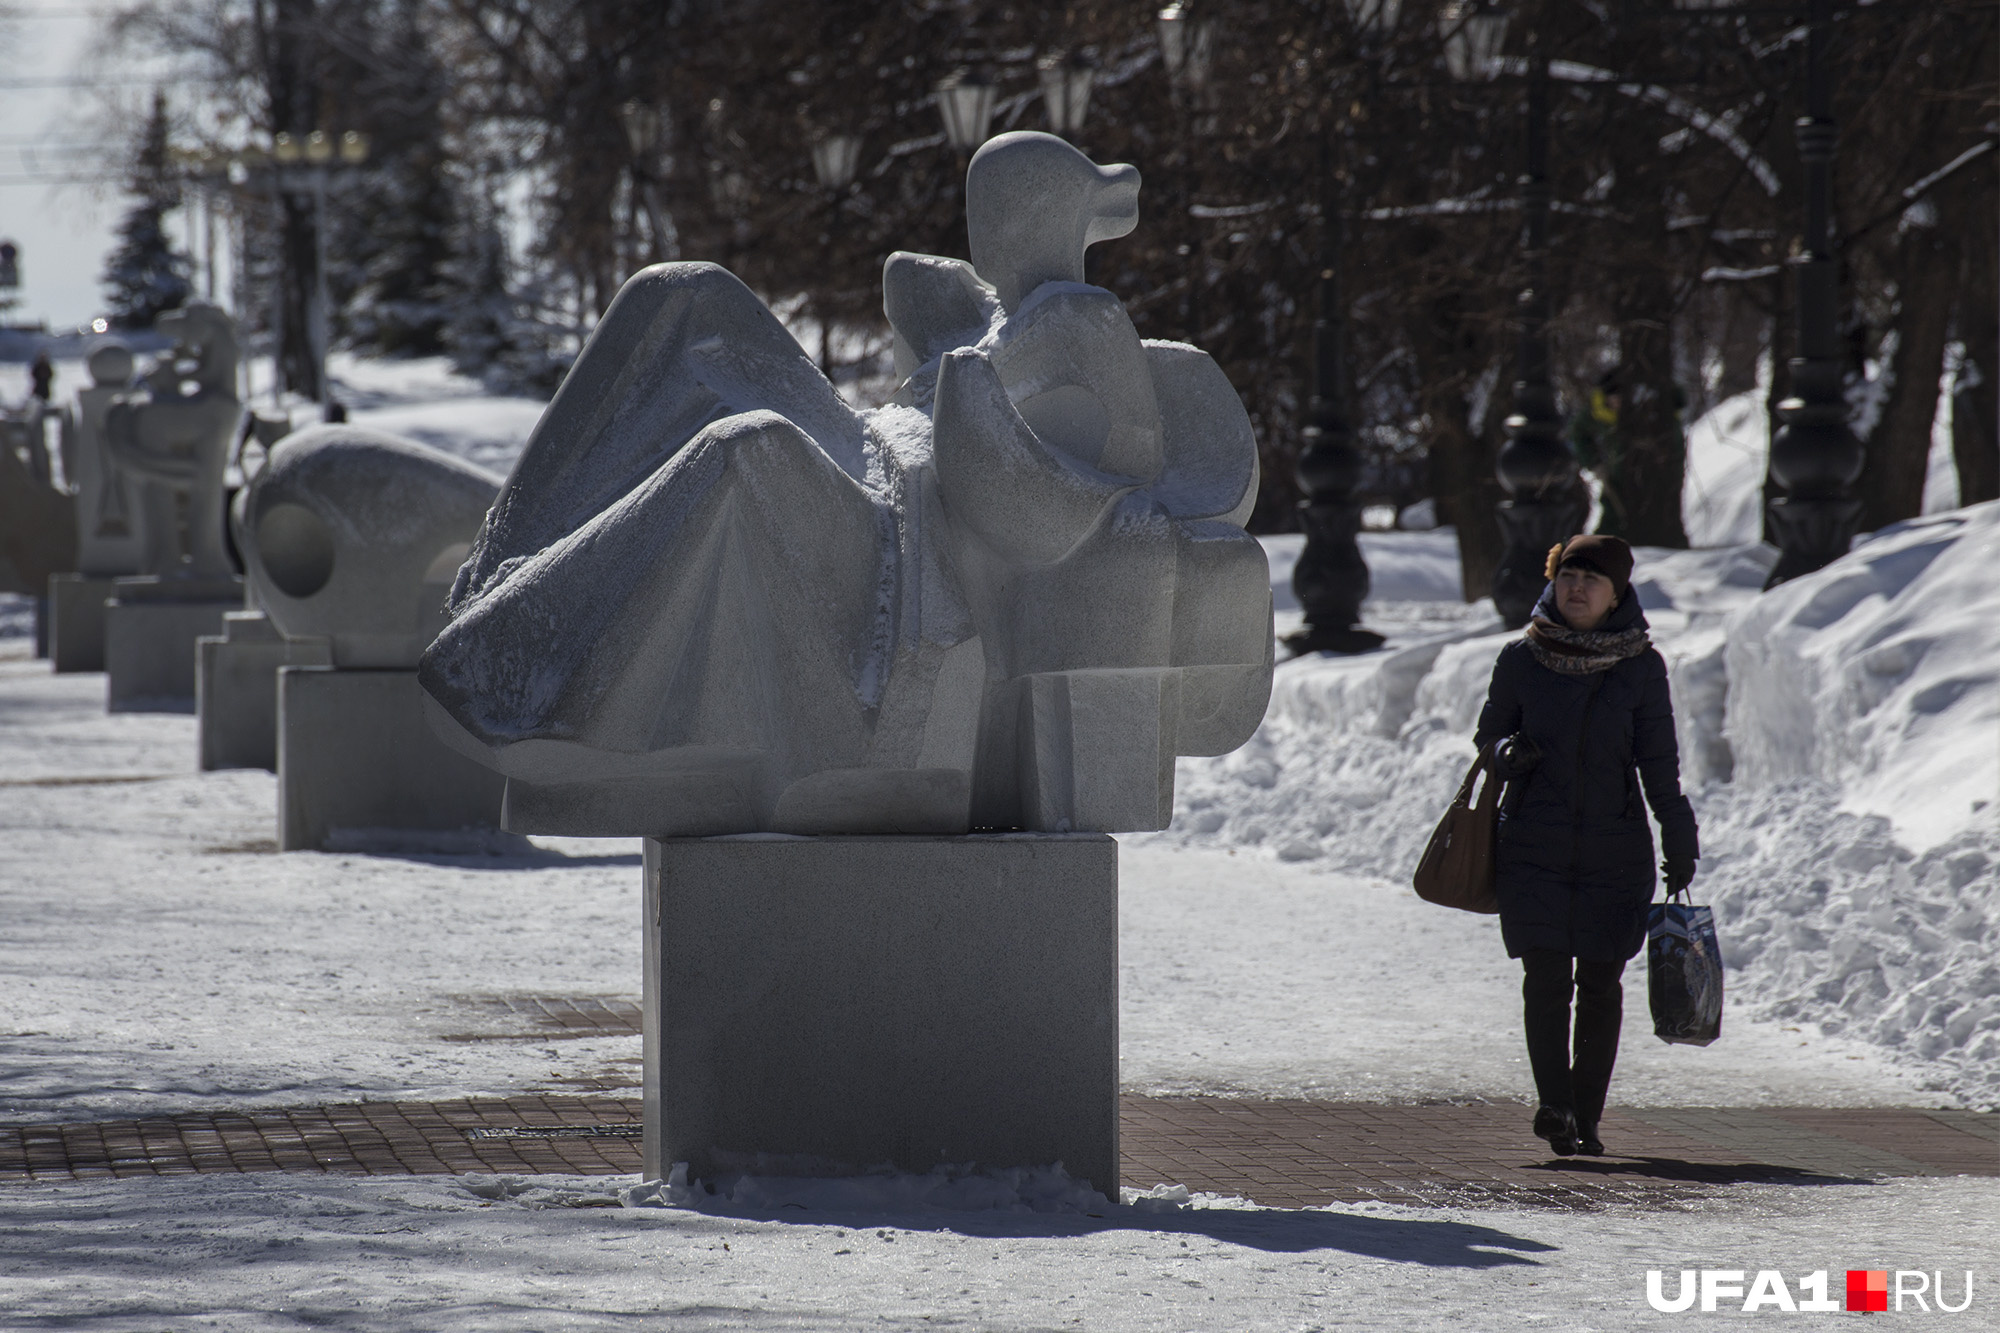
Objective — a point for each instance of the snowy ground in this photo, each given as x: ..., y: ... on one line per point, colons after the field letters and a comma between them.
x: 160, y: 957
x: 290, y: 1252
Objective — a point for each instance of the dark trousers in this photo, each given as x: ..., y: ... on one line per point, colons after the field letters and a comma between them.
x: 1549, y: 980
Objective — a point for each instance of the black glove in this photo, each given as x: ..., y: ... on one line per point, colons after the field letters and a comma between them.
x: 1679, y: 871
x: 1515, y: 758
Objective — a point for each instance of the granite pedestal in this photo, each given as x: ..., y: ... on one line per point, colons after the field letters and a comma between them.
x: 150, y: 629
x: 355, y: 757
x: 236, y: 689
x: 819, y: 1003
x: 76, y: 621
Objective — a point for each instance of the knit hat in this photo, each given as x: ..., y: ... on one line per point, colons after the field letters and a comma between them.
x: 1609, y: 556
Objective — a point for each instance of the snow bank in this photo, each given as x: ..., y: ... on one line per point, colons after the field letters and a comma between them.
x: 1841, y: 739
x: 1880, y: 676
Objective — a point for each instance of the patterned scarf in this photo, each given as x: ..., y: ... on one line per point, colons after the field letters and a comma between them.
x: 1578, y: 652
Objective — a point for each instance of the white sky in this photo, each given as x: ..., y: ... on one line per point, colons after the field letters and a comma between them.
x: 48, y: 133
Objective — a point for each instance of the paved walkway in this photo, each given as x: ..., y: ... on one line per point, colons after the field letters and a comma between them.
x: 1280, y: 1154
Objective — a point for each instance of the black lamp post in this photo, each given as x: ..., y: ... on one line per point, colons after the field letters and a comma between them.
x: 1535, y: 466
x: 835, y: 157
x: 1330, y: 579
x: 1186, y: 46
x: 1814, y: 454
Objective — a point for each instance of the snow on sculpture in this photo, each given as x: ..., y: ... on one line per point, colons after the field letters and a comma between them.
x: 712, y: 598
x: 178, y: 435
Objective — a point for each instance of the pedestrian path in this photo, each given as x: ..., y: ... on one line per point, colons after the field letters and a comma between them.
x: 1283, y: 1154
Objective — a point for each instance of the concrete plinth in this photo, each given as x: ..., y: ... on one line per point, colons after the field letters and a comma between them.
x: 236, y: 689
x: 819, y: 1002
x: 76, y: 621
x: 356, y: 757
x: 150, y: 629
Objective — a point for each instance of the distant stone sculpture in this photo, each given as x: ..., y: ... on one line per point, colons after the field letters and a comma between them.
x: 712, y: 598
x: 111, y: 537
x: 178, y: 435
x: 350, y: 540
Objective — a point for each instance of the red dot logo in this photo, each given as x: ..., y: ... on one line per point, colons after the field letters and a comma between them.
x: 1868, y: 1290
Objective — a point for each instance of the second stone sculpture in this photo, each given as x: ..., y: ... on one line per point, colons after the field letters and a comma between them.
x: 713, y: 599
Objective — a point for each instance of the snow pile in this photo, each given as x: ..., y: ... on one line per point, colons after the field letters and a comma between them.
x: 952, y: 1188
x: 1841, y: 738
x: 1880, y: 676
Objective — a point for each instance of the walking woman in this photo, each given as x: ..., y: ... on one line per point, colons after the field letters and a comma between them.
x: 1581, y: 703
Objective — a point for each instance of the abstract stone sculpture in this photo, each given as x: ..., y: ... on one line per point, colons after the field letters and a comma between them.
x: 178, y: 434
x: 354, y: 536
x: 712, y: 598
x: 350, y: 540
x: 110, y: 517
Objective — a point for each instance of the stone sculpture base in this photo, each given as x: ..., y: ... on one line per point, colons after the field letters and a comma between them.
x: 150, y: 629
x: 76, y: 621
x: 818, y: 1003
x: 236, y: 689
x: 355, y: 757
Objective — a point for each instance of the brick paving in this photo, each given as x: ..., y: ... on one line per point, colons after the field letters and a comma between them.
x: 1284, y: 1154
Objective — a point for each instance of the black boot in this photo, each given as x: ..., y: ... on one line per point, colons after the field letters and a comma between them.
x: 1557, y: 1124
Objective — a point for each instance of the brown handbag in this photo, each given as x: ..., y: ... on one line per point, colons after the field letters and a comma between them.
x: 1457, y: 865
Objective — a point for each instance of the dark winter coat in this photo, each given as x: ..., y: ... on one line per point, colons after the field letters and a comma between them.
x: 1575, y: 857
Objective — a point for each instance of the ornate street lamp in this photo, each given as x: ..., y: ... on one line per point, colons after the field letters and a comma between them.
x: 836, y: 157
x: 1535, y: 466
x: 1474, y: 31
x: 1066, y: 84
x: 965, y: 101
x: 1814, y: 454
x: 1330, y: 579
x: 642, y: 127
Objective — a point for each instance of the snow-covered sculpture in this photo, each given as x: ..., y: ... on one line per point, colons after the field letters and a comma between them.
x: 712, y: 598
x: 110, y: 520
x: 353, y: 536
x: 178, y: 434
